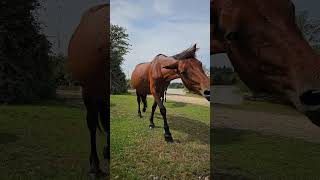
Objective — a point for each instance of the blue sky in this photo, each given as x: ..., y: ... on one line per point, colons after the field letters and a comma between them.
x: 163, y: 26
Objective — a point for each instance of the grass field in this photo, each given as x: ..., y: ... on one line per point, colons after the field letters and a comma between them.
x: 245, y: 154
x: 250, y: 155
x: 141, y: 153
x: 50, y: 141
x: 47, y: 141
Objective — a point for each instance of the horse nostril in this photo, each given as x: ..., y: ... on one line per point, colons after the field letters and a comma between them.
x: 310, y: 98
x: 206, y: 92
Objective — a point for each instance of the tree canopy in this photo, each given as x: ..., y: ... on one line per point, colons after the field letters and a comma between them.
x: 119, y: 48
x: 25, y: 73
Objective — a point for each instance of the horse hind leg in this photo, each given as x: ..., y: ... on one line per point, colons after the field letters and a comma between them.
x: 139, y: 101
x: 144, y: 100
x: 104, y: 111
x: 92, y: 122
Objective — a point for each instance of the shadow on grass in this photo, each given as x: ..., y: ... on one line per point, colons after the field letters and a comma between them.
x: 196, y: 130
x: 226, y: 176
x: 6, y: 138
x: 222, y: 136
x: 177, y: 104
x: 226, y: 136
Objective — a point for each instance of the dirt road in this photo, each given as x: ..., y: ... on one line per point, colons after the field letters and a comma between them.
x: 187, y: 99
x: 297, y: 126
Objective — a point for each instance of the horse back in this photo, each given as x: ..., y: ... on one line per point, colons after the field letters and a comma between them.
x: 88, y: 51
x: 140, y: 78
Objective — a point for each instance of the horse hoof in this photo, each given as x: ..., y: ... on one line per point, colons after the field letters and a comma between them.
x: 96, y: 174
x: 106, y: 152
x: 151, y: 126
x: 168, y: 138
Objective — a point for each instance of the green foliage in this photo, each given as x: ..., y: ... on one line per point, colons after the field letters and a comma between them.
x: 310, y: 28
x: 25, y: 73
x: 223, y: 76
x: 62, y: 76
x: 176, y: 85
x: 119, y: 48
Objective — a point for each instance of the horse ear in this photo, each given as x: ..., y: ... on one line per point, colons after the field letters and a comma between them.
x: 171, y: 66
x: 194, y: 47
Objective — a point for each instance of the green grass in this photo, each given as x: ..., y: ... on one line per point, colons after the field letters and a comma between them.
x: 247, y: 154
x: 44, y: 142
x: 138, y: 152
x: 51, y: 141
x: 250, y: 155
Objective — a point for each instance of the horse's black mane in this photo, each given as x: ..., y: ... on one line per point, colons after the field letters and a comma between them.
x: 161, y: 55
x: 186, y: 54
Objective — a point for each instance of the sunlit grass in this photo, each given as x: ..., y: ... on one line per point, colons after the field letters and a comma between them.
x: 140, y: 153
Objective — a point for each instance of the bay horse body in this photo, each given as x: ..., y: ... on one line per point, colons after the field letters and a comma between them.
x: 88, y: 55
x: 141, y: 83
x: 183, y: 65
x: 267, y: 49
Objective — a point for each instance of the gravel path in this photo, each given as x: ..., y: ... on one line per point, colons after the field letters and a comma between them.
x: 187, y: 99
x: 297, y: 126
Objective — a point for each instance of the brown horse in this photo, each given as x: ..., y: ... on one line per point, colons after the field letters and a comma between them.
x: 161, y: 69
x: 88, y: 55
x: 140, y: 82
x: 268, y: 50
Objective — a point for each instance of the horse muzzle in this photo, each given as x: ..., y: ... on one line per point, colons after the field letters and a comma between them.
x: 206, y: 94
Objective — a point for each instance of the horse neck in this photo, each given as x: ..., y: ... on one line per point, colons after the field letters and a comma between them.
x: 171, y: 75
x: 168, y: 74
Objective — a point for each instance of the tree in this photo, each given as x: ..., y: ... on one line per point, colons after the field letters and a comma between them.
x: 119, y: 47
x: 25, y: 73
x: 310, y: 28
x: 223, y: 76
x: 61, y: 73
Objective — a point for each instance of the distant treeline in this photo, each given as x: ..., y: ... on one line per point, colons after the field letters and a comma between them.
x: 25, y: 68
x: 176, y: 85
x: 223, y: 76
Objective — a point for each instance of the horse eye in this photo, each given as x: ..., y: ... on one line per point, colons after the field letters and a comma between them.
x: 232, y: 36
x: 184, y: 73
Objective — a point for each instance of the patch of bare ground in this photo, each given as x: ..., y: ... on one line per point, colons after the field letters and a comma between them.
x: 289, y: 125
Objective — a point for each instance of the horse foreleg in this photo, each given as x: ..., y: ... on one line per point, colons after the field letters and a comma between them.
x: 163, y: 111
x: 154, y: 106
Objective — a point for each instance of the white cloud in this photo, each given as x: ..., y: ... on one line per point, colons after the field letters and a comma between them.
x: 163, y: 7
x: 124, y: 12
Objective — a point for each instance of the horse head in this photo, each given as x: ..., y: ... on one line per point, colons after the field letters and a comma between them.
x: 191, y: 72
x: 268, y: 50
